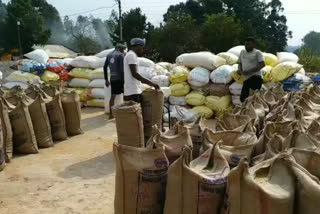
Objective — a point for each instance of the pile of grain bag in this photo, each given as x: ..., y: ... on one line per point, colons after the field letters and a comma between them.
x: 38, y: 68
x: 265, y: 152
x: 36, y: 118
x: 88, y: 77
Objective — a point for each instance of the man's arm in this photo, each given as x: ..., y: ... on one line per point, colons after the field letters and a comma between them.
x: 135, y: 74
x: 105, y: 70
x: 255, y: 69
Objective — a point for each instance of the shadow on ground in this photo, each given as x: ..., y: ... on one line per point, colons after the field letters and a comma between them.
x: 95, y: 168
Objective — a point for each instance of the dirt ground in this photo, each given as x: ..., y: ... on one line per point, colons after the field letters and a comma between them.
x: 75, y: 176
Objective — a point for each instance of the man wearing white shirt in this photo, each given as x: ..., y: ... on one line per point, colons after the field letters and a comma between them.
x: 132, y: 78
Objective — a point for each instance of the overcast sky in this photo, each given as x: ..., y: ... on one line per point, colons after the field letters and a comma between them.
x: 303, y: 15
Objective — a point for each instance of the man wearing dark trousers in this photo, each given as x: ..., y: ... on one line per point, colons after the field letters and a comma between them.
x: 132, y: 78
x: 251, y: 63
x: 115, y: 62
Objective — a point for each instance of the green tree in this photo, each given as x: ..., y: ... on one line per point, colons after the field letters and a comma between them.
x: 82, y: 35
x: 220, y: 32
x: 309, y: 60
x: 311, y: 41
x: 180, y: 34
x: 32, y: 27
x: 52, y: 20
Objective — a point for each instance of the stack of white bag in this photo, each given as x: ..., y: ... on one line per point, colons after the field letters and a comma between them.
x: 88, y: 74
x: 23, y: 79
x: 96, y: 88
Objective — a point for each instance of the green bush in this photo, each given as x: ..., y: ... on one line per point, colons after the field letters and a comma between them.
x: 309, y: 60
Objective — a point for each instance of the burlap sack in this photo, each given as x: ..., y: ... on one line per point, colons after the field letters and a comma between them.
x: 6, y: 129
x: 234, y: 145
x: 141, y: 178
x: 219, y: 90
x: 40, y: 121
x: 271, y: 129
x: 270, y: 98
x: 314, y: 128
x: 296, y: 139
x: 267, y: 188
x: 72, y: 112
x: 232, y: 122
x: 197, y: 186
x: 129, y: 124
x: 54, y: 109
x: 57, y: 119
x: 24, y: 140
x: 195, y: 130
x: 306, y: 170
x: 152, y: 110
x: 174, y: 141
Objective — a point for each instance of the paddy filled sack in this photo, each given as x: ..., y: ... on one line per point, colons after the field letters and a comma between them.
x: 197, y: 186
x: 24, y: 139
x: 152, y: 110
x: 40, y: 119
x: 72, y: 111
x: 141, y: 178
x: 55, y: 113
x: 129, y: 123
x: 6, y: 129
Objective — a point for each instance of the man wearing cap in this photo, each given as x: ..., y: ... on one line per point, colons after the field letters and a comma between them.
x: 132, y: 78
x: 115, y: 62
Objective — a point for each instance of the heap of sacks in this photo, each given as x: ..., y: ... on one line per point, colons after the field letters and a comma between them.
x: 35, y: 118
x: 209, y: 85
x: 262, y: 158
x: 38, y: 68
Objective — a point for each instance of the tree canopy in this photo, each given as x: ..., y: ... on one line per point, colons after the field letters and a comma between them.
x: 32, y: 28
x: 311, y: 41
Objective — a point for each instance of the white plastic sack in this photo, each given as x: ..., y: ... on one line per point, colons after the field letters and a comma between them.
x: 166, y: 65
x: 230, y: 58
x: 79, y: 83
x: 200, y: 59
x: 10, y: 85
x: 107, y: 97
x: 236, y: 101
x: 222, y: 74
x: 97, y: 83
x: 145, y: 62
x: 66, y: 61
x: 92, y: 62
x: 104, y: 54
x: 97, y: 93
x: 303, y: 78
x: 146, y: 72
x: 1, y: 75
x: 235, y: 88
x: 180, y: 101
x: 19, y: 76
x: 38, y: 55
x: 302, y: 71
x: 287, y: 57
x: 159, y: 70
x: 161, y: 80
x: 236, y: 50
x: 97, y: 74
x: 181, y: 114
x: 199, y: 77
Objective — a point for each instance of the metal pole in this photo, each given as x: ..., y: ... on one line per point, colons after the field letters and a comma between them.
x: 19, y: 39
x: 120, y: 20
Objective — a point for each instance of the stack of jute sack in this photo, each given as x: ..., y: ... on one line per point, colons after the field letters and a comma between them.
x: 36, y: 69
x: 35, y: 118
x: 88, y: 78
x: 262, y: 158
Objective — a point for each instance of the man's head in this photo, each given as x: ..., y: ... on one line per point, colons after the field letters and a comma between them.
x: 250, y: 44
x: 137, y: 45
x: 121, y: 46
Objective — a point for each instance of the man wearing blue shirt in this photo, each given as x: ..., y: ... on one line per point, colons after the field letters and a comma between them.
x: 115, y: 62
